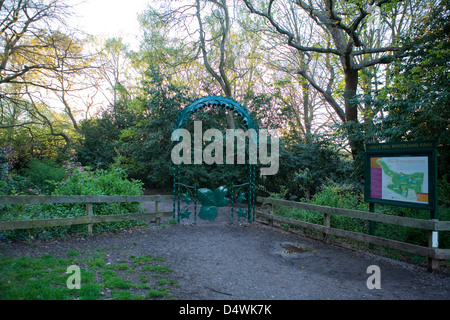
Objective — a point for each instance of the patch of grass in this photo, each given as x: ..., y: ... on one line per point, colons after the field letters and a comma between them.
x: 162, y: 282
x: 28, y: 278
x: 90, y: 291
x: 121, y: 266
x: 73, y: 253
x: 97, y: 260
x: 45, y: 278
x: 157, y: 268
x: 126, y: 295
x: 155, y: 293
x: 114, y: 281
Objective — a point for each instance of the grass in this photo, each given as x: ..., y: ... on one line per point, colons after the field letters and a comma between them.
x: 45, y: 277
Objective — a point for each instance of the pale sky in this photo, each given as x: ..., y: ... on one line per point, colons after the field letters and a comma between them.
x: 110, y: 18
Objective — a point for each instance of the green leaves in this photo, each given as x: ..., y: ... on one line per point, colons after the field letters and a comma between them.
x: 241, y: 197
x: 185, y: 212
x: 211, y: 201
x: 241, y: 213
x: 186, y: 199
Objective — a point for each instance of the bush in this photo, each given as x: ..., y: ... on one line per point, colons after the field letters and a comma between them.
x: 44, y: 174
x: 112, y: 182
x: 305, y: 168
x: 342, y: 196
x: 78, y: 181
x: 331, y: 195
x: 14, y: 184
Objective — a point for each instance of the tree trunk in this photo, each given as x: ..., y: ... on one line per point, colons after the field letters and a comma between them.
x: 220, y: 77
x: 351, y: 111
x: 306, y: 111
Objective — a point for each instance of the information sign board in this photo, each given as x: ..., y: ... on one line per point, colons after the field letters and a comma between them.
x: 401, y: 174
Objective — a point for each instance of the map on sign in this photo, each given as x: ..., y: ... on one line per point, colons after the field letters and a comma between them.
x: 399, y: 178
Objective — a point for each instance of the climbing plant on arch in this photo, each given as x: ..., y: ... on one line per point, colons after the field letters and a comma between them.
x: 206, y: 203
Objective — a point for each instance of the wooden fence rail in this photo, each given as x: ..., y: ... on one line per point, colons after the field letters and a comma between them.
x: 435, y: 255
x: 90, y: 218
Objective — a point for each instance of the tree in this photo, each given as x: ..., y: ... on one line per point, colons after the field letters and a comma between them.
x: 213, y: 53
x: 24, y: 32
x: 34, y: 131
x: 340, y: 25
x: 144, y: 148
x: 43, y: 66
x: 116, y: 69
x: 298, y: 99
x: 414, y: 106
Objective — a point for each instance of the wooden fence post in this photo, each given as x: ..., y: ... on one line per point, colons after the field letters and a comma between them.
x: 270, y: 221
x: 158, y: 218
x: 89, y: 213
x: 433, y: 243
x: 326, y: 224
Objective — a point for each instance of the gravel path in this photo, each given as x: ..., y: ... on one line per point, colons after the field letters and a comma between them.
x: 217, y: 261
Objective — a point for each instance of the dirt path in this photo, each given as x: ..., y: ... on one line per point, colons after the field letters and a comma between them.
x: 212, y: 261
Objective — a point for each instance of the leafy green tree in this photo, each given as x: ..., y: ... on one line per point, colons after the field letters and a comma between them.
x: 44, y: 67
x: 97, y: 148
x: 415, y: 104
x: 34, y: 131
x: 100, y: 145
x: 135, y: 135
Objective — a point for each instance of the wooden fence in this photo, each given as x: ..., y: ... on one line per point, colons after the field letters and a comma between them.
x: 435, y: 255
x: 90, y: 218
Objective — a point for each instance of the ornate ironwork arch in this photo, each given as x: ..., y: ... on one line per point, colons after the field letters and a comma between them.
x: 218, y: 101
x: 212, y: 200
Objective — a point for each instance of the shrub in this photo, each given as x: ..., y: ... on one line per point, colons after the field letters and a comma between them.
x: 14, y: 184
x: 342, y: 196
x: 339, y: 195
x: 43, y: 174
x: 100, y: 182
x: 78, y: 181
x: 304, y: 169
x: 347, y: 196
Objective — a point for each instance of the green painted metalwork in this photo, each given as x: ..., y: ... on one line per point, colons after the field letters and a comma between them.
x: 217, y: 101
x: 211, y: 202
x: 187, y: 198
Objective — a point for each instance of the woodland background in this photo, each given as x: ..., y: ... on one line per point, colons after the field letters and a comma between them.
x: 88, y: 115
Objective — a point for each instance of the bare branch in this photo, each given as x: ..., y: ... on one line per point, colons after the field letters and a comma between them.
x: 376, y: 50
x: 381, y: 60
x: 49, y: 123
x: 290, y: 36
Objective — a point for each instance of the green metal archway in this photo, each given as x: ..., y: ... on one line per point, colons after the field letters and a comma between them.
x: 217, y: 101
x: 188, y: 198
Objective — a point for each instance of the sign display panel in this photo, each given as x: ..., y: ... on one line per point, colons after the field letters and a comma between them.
x: 399, y: 179
x: 401, y: 174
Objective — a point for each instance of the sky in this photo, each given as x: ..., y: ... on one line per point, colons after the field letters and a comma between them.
x: 110, y: 18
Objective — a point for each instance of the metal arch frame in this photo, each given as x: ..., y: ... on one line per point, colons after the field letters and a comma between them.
x: 183, y: 117
x: 219, y: 101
